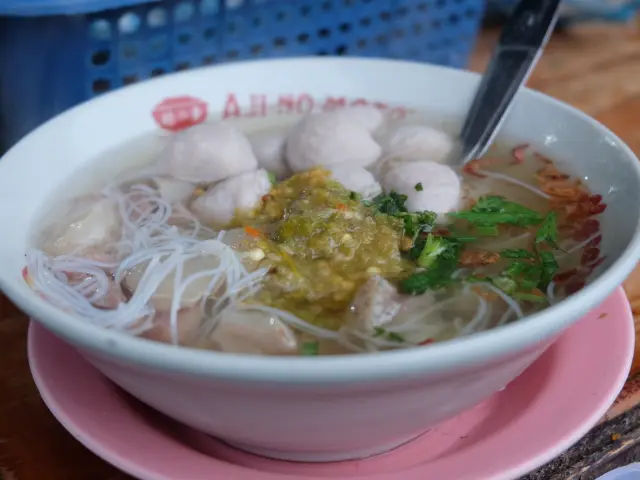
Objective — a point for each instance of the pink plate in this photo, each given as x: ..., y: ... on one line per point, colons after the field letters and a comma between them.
x: 539, y: 415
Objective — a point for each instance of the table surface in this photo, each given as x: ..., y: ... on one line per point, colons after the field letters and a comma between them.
x: 594, y: 68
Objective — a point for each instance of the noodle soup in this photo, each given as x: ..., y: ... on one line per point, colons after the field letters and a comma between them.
x: 344, y: 233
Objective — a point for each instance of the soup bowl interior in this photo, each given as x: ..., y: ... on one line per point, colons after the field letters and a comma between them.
x: 323, y: 408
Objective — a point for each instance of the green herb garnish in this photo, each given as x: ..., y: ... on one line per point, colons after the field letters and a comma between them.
x: 440, y: 267
x: 548, y: 231
x: 491, y: 211
x: 547, y: 236
x: 395, y: 337
x: 417, y: 223
x: 391, y: 336
x: 419, y: 187
x: 526, y: 272
x: 391, y: 203
x: 414, y: 223
x: 549, y: 267
x: 477, y: 279
x: 310, y: 349
x: 461, y: 237
x: 505, y: 283
x: 530, y: 297
x: 272, y: 178
x: 487, y: 230
x: 433, y: 247
x: 517, y: 253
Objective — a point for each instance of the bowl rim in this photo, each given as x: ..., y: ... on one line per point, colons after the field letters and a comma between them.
x: 491, y: 344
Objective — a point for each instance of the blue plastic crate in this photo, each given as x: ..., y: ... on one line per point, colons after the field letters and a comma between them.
x: 55, y: 54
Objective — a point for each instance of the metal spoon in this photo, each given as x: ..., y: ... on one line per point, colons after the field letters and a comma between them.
x: 520, y: 45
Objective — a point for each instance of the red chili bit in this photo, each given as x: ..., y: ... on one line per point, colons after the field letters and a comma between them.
x: 598, y: 209
x: 472, y: 168
x: 592, y: 225
x: 426, y: 342
x: 341, y: 206
x: 595, y: 199
x: 589, y: 255
x: 518, y: 154
x: 596, y: 264
x: 595, y: 242
x: 579, y: 235
x: 574, y: 286
x: 252, y: 232
x: 588, y: 228
x: 564, y: 277
x: 584, y: 209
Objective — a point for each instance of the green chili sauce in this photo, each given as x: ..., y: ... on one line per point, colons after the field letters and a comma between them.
x: 322, y: 243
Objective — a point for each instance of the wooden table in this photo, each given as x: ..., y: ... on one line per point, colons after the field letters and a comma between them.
x: 596, y: 69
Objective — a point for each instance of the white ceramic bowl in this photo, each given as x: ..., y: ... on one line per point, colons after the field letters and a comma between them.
x: 324, y: 408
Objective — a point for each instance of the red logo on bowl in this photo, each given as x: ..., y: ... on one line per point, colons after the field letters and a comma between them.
x: 177, y: 113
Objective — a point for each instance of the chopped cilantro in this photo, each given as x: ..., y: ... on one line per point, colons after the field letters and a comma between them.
x: 433, y: 247
x: 272, y: 178
x: 549, y: 267
x: 419, y: 187
x: 414, y: 223
x: 531, y: 297
x: 390, y: 203
x: 395, y: 337
x: 505, y: 283
x: 477, y: 279
x: 461, y: 238
x: 391, y: 336
x: 491, y: 211
x: 526, y: 272
x: 548, y: 230
x: 523, y: 279
x: 487, y: 230
x: 439, y: 272
x: 495, y: 203
x: 310, y: 348
x: 353, y: 195
x: 517, y: 253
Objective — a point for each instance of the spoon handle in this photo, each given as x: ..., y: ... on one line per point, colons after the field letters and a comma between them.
x: 519, y: 47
